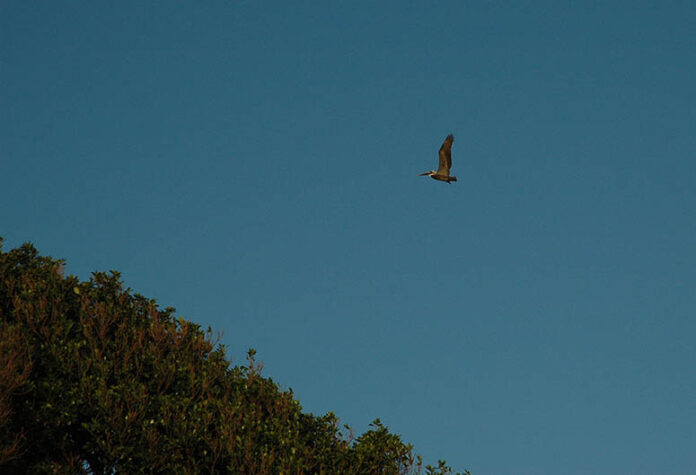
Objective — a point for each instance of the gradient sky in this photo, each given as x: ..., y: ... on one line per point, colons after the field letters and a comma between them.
x: 254, y: 164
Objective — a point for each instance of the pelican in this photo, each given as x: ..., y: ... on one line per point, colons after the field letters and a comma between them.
x: 442, y: 172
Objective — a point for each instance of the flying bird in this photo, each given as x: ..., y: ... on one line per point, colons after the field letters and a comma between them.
x: 442, y: 172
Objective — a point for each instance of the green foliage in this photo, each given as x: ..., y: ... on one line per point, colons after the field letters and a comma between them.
x: 97, y: 379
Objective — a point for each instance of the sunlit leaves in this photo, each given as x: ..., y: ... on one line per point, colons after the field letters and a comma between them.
x: 95, y: 378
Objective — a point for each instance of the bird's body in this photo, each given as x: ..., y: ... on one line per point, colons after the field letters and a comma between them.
x: 443, y: 169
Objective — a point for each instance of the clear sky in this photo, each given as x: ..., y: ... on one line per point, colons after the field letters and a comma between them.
x: 254, y: 164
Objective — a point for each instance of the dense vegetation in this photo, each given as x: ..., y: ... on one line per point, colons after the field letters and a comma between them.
x: 97, y: 379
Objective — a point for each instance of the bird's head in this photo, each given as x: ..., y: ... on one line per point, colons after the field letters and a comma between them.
x: 430, y: 173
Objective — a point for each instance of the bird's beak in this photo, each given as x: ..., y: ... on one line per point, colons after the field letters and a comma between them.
x: 423, y: 174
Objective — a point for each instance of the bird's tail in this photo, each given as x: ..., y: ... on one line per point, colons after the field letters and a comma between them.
x: 452, y: 178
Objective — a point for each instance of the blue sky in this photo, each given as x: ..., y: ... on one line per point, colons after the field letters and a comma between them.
x: 254, y: 164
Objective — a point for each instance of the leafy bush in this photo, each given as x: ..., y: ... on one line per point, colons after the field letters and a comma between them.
x: 97, y: 379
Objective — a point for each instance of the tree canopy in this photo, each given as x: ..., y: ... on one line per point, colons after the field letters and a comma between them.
x: 95, y: 378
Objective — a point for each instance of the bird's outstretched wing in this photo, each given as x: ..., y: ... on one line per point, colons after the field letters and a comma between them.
x: 446, y: 156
